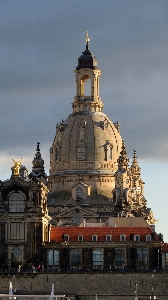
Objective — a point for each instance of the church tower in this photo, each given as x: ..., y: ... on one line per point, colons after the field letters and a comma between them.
x: 90, y: 178
x: 84, y: 153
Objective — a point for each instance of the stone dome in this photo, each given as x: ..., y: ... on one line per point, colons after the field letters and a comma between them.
x: 84, y: 153
x: 86, y: 142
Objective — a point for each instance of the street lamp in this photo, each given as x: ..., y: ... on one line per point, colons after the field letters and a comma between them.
x: 152, y: 297
x: 65, y: 245
x: 136, y: 291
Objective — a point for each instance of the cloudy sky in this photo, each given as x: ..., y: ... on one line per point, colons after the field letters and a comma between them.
x: 40, y: 44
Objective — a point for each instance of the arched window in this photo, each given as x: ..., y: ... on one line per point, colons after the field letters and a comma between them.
x: 16, y: 257
x: 16, y: 202
x: 85, y: 86
x: 79, y: 193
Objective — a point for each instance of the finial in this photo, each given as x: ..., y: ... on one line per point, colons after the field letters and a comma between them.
x: 87, y: 40
x: 38, y: 149
x: 134, y: 154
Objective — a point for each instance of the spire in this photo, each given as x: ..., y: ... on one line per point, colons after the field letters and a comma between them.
x: 38, y: 165
x: 135, y: 169
x: 38, y: 149
x: 123, y: 160
x: 87, y: 40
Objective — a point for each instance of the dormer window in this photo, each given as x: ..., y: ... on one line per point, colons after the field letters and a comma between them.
x: 80, y: 238
x: 94, y: 238
x: 108, y: 238
x: 122, y: 238
x: 136, y: 238
x: 148, y: 238
x: 66, y: 237
x: 80, y: 191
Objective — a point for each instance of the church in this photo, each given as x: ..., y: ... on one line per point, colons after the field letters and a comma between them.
x: 90, y: 212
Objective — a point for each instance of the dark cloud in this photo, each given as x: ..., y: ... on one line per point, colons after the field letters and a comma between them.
x: 41, y: 42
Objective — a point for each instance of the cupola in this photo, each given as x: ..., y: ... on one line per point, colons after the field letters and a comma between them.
x: 87, y: 59
x: 87, y: 71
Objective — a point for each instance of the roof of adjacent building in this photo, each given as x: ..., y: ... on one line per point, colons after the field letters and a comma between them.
x: 101, y: 232
x: 165, y: 247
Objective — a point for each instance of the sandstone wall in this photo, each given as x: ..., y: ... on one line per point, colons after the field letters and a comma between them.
x: 86, y: 286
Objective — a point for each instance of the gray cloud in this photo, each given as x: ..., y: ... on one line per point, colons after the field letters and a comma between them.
x: 41, y: 42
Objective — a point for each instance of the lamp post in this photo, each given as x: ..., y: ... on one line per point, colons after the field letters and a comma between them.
x: 65, y: 245
x: 136, y: 290
x: 152, y: 297
x: 158, y: 260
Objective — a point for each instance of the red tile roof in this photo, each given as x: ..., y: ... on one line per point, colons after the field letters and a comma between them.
x: 165, y: 247
x: 101, y: 232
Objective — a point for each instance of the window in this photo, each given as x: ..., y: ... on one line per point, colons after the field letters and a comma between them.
x: 142, y: 258
x: 53, y: 257
x: 66, y: 237
x: 57, y: 153
x: 16, y: 202
x: 16, y: 257
x: 136, y: 238
x: 80, y: 238
x: 79, y: 193
x: 122, y: 238
x: 108, y: 238
x: 81, y: 152
x: 98, y: 257
x: 166, y: 260
x: 94, y: 238
x: 75, y: 258
x: 85, y: 107
x: 16, y: 231
x: 148, y: 238
x: 120, y: 257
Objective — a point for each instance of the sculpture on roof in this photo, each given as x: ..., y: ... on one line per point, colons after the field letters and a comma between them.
x: 17, y: 165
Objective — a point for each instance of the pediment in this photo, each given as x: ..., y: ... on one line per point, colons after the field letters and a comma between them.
x: 77, y: 209
x: 80, y: 184
x: 15, y: 182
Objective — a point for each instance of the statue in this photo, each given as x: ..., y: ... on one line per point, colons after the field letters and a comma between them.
x: 17, y: 165
x: 10, y: 288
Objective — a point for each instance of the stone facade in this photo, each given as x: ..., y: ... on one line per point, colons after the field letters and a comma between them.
x: 24, y: 216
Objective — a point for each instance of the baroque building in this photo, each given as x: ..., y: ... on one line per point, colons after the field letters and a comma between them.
x: 90, y: 178
x: 90, y: 213
x: 24, y: 215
